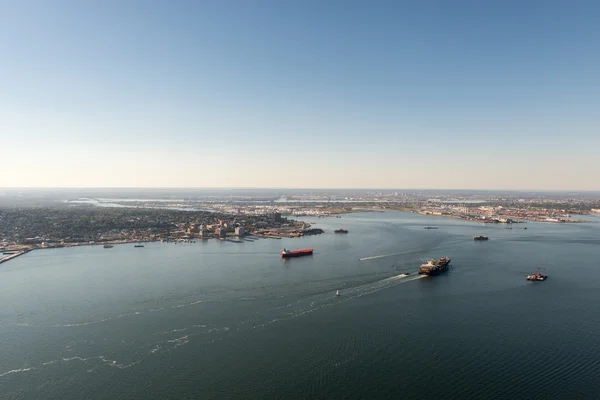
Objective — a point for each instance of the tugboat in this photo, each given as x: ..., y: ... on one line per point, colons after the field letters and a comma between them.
x: 434, y: 268
x: 480, y: 238
x: 537, y: 276
x: 341, y: 231
x: 296, y: 253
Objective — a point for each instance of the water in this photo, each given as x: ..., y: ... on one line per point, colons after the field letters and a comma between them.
x: 224, y: 320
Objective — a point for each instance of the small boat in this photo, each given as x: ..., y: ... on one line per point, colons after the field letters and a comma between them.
x: 406, y: 274
x: 296, y: 253
x: 480, y: 238
x: 337, y: 294
x: 537, y: 276
x: 108, y: 246
x: 430, y: 227
x: 341, y: 231
x: 138, y: 245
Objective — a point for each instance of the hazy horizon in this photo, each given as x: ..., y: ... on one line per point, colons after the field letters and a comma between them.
x: 464, y: 95
x: 449, y: 189
x: 295, y: 189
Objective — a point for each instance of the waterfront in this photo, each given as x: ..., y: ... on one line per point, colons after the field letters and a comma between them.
x: 232, y: 320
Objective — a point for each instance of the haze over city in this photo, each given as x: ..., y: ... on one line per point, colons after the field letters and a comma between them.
x: 311, y: 94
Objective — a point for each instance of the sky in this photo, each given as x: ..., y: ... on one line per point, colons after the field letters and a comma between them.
x: 300, y: 94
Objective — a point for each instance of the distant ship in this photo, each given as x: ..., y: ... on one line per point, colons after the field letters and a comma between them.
x: 434, y: 268
x: 138, y: 245
x: 341, y: 231
x: 430, y: 227
x: 108, y: 246
x: 480, y: 238
x: 537, y: 276
x: 296, y: 253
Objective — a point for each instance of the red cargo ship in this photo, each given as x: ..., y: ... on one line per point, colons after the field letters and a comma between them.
x: 296, y: 253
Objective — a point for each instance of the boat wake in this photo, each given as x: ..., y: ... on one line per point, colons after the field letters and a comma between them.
x: 103, y: 360
x: 144, y: 350
x: 202, y: 334
x: 14, y: 371
x: 369, y: 288
x: 130, y: 314
x: 389, y: 255
x: 328, y: 299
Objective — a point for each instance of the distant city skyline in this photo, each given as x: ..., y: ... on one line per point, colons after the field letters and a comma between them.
x: 267, y: 94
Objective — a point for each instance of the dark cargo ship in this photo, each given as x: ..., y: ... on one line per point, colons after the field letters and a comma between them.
x: 480, y: 238
x: 433, y: 267
x: 341, y: 231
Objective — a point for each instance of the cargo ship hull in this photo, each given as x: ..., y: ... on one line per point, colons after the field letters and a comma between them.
x: 433, y: 272
x: 296, y: 253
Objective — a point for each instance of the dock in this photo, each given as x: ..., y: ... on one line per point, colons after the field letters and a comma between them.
x: 14, y: 255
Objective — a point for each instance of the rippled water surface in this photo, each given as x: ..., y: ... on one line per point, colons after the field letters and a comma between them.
x: 232, y: 320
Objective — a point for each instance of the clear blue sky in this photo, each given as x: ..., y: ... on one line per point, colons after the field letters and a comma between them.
x: 302, y: 93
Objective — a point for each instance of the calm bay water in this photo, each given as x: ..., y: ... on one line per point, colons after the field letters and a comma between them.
x: 226, y: 320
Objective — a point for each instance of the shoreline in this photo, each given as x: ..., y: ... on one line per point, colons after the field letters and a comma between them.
x: 516, y: 220
x: 496, y: 221
x: 21, y: 249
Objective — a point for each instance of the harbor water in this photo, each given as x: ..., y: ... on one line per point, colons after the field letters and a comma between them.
x: 216, y: 320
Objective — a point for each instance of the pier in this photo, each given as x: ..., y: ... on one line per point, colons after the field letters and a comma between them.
x: 14, y: 255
